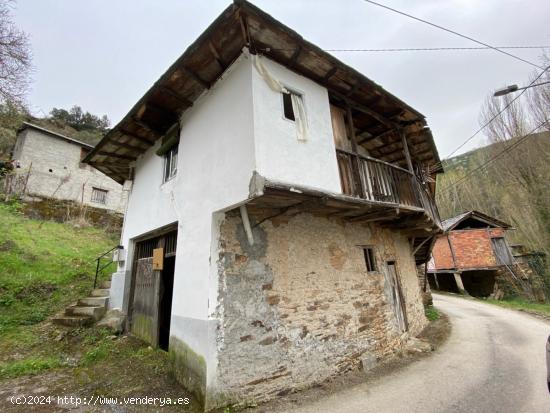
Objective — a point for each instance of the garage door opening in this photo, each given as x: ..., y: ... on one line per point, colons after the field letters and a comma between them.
x: 479, y: 283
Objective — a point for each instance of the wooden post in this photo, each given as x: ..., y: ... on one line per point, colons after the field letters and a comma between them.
x: 355, y: 159
x: 406, y: 149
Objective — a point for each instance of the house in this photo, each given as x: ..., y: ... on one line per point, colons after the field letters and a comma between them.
x: 276, y: 215
x: 473, y: 257
x: 49, y: 165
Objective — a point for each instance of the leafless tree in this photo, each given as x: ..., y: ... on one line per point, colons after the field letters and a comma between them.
x: 15, y: 57
x: 539, y: 97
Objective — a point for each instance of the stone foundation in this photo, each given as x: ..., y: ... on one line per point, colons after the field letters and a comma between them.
x: 298, y: 306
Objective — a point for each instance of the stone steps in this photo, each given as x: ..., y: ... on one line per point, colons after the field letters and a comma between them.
x: 87, y: 310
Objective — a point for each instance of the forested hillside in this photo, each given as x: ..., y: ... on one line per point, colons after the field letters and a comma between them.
x: 514, y: 187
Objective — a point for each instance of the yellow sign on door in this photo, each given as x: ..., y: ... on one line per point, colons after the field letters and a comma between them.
x: 158, y: 259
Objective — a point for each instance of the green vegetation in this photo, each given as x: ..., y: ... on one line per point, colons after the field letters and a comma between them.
x: 431, y: 313
x: 519, y: 304
x: 44, y: 266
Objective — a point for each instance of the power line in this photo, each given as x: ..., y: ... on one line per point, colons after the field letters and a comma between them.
x: 429, y: 49
x: 452, y: 32
x: 439, y: 164
x: 491, y: 160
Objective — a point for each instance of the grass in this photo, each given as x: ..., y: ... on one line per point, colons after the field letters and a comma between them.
x: 431, y: 313
x: 519, y: 304
x: 43, y: 266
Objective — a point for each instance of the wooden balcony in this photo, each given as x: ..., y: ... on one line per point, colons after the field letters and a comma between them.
x: 383, y: 183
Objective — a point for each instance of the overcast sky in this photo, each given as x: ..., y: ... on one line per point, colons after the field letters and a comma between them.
x: 103, y: 54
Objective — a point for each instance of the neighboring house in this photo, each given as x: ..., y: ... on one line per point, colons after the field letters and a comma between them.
x: 275, y: 217
x: 50, y: 166
x: 473, y: 257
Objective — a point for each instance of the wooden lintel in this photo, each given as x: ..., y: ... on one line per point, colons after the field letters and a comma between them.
x: 195, y: 77
x: 116, y: 155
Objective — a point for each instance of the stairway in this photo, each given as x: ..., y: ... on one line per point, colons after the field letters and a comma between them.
x: 87, y: 310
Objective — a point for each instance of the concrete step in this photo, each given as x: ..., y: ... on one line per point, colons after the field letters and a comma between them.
x: 93, y: 302
x: 105, y: 284
x: 73, y: 321
x: 100, y: 292
x: 93, y: 311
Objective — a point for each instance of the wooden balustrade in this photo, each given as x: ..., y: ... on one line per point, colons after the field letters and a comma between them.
x: 379, y: 181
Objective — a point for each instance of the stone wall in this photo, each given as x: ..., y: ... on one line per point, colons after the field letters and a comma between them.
x: 298, y: 306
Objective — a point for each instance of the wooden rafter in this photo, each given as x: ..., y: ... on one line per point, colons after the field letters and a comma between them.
x: 117, y: 155
x: 196, y: 77
x: 183, y: 100
x: 216, y: 55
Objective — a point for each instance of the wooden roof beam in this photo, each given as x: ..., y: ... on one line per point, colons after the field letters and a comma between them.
x: 177, y: 96
x: 294, y: 58
x: 148, y: 128
x: 136, y: 137
x: 216, y: 55
x: 329, y: 74
x: 196, y: 77
x: 362, y: 108
x: 116, y: 155
x: 125, y: 146
x: 380, y: 135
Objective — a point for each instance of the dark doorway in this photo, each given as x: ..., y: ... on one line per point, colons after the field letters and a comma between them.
x: 165, y: 304
x: 152, y: 288
x: 445, y: 282
x: 479, y: 283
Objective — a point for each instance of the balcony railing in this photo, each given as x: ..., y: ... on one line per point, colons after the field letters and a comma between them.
x: 378, y: 181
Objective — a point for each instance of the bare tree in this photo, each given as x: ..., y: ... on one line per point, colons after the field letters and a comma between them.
x: 539, y: 97
x: 15, y: 57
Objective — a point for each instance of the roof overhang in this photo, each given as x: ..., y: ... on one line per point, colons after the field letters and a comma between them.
x: 452, y: 223
x: 376, y: 112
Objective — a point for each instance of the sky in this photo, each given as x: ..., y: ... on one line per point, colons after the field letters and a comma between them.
x: 103, y: 55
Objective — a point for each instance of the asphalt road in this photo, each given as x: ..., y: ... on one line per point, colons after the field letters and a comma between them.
x: 494, y: 361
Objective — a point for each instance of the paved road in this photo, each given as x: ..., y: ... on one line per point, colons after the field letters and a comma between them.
x: 494, y: 361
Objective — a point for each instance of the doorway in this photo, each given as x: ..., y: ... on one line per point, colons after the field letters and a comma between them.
x: 397, y: 300
x: 152, y: 289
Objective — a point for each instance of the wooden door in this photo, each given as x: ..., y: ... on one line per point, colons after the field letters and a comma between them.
x: 145, y: 308
x: 502, y: 252
x: 397, y: 300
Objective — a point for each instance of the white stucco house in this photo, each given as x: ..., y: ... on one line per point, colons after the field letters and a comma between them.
x: 278, y: 207
x: 49, y: 165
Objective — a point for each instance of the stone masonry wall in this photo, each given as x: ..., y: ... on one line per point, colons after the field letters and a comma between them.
x: 299, y: 306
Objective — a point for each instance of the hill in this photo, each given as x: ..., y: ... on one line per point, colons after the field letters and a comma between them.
x: 513, y: 188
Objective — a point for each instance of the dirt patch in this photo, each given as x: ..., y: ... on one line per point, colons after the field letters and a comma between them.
x: 8, y: 245
x: 436, y: 333
x: 36, y: 291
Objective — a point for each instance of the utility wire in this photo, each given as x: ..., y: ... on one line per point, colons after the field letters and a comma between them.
x: 428, y: 49
x: 452, y: 32
x: 495, y: 157
x: 440, y: 163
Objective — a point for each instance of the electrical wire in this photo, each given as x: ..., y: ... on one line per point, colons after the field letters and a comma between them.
x: 452, y: 32
x: 438, y: 165
x: 492, y: 159
x: 428, y: 49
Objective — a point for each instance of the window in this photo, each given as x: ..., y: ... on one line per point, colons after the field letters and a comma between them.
x: 171, y: 163
x: 370, y: 260
x: 288, y: 107
x: 99, y: 196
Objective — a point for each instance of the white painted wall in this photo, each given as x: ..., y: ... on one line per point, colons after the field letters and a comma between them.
x: 56, y: 171
x: 215, y: 163
x: 279, y: 155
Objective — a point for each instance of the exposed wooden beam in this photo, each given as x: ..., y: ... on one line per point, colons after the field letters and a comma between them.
x: 406, y: 150
x: 380, y: 135
x: 294, y: 58
x: 116, y: 155
x: 329, y: 74
x: 126, y: 146
x: 148, y: 128
x: 362, y: 108
x: 177, y: 96
x: 216, y: 55
x: 136, y: 137
x: 196, y: 77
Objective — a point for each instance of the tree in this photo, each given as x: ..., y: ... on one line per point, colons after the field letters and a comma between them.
x: 15, y: 57
x: 80, y: 120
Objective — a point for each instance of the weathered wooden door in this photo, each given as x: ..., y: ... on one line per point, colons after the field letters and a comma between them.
x: 397, y: 300
x: 145, y: 308
x: 502, y: 252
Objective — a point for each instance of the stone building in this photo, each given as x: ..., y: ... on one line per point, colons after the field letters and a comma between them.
x: 275, y: 217
x: 473, y: 257
x: 49, y: 165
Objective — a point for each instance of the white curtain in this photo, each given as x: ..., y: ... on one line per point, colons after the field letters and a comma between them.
x: 297, y: 102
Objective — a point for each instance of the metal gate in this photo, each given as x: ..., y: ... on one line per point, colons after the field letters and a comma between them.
x: 144, y: 314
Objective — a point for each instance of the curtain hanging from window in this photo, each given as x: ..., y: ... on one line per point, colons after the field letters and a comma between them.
x: 297, y: 102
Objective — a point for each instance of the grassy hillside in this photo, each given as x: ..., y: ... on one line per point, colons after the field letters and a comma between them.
x: 43, y: 265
